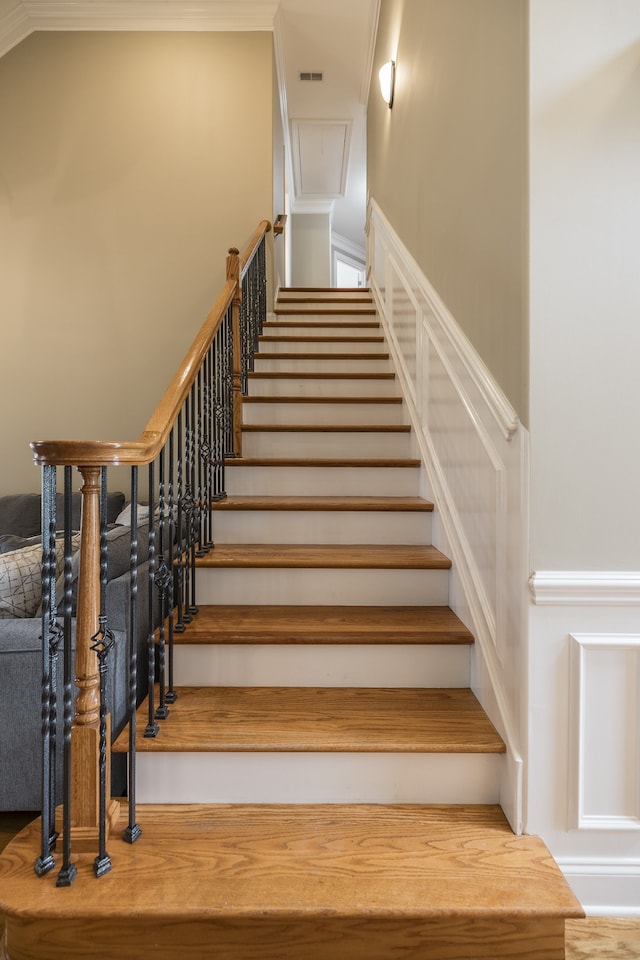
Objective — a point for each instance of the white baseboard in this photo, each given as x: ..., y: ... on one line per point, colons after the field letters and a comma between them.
x: 604, y: 887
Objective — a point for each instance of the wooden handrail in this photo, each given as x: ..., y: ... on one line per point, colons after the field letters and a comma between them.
x: 245, y: 260
x: 87, y: 453
x: 199, y: 389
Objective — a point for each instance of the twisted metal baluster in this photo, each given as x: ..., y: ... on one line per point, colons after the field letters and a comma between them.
x: 195, y: 513
x: 188, y: 507
x: 102, y: 645
x: 133, y: 830
x: 50, y: 639
x: 68, y: 871
x: 161, y: 579
x: 227, y: 386
x: 171, y: 696
x: 151, y: 730
x: 180, y: 621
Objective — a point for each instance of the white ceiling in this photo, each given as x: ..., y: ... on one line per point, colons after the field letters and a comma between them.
x: 325, y: 120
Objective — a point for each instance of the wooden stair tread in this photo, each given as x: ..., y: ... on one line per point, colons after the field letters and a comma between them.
x: 337, y: 291
x: 351, y: 462
x: 352, y: 355
x: 319, y: 399
x: 318, y: 338
x: 326, y: 428
x: 340, y: 310
x: 324, y: 624
x: 326, y: 556
x: 320, y: 324
x: 385, y: 504
x: 319, y: 375
x: 261, y: 862
x: 321, y: 720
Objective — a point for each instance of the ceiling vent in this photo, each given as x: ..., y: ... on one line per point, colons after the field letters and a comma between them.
x: 311, y: 76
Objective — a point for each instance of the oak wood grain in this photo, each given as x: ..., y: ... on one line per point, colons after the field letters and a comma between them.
x: 320, y: 324
x: 357, y: 504
x: 322, y: 719
x: 326, y: 556
x: 319, y: 624
x: 307, y: 355
x: 313, y: 462
x: 332, y: 399
x: 326, y: 428
x: 285, y: 882
x: 320, y: 375
x: 342, y: 310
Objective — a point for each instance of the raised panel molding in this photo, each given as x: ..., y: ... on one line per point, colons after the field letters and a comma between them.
x: 605, y: 731
x: 475, y: 453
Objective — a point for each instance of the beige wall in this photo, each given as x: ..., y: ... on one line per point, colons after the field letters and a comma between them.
x: 129, y: 163
x: 278, y: 181
x: 585, y: 285
x: 448, y: 164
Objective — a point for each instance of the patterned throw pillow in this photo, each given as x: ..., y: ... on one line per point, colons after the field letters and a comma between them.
x: 21, y: 578
x: 20, y: 582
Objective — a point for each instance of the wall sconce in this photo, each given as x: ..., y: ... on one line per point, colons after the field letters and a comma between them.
x: 387, y: 78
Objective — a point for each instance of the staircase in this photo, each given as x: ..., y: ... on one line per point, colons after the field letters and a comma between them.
x: 327, y: 784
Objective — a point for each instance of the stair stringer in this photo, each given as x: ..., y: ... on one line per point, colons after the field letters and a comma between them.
x: 493, y: 607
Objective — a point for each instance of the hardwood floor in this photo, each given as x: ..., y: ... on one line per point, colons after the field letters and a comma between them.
x: 603, y: 938
x: 596, y: 938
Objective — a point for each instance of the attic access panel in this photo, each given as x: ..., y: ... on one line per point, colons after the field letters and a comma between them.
x: 321, y: 150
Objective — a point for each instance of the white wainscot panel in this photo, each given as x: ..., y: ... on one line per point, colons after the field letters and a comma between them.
x: 378, y: 261
x: 404, y: 324
x: 606, y: 731
x: 473, y: 474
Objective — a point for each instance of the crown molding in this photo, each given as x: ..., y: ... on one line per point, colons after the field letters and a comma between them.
x: 192, y: 15
x: 14, y: 27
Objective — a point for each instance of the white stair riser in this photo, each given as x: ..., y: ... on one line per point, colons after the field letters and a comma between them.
x: 317, y: 778
x: 321, y: 387
x: 331, y: 444
x: 320, y: 526
x: 310, y: 665
x: 290, y: 328
x: 322, y: 586
x: 323, y: 481
x: 325, y: 346
x: 326, y: 412
x: 329, y: 364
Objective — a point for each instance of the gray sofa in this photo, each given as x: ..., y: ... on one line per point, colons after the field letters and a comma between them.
x: 20, y: 646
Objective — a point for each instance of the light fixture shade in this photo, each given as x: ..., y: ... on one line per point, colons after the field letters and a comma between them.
x: 387, y: 77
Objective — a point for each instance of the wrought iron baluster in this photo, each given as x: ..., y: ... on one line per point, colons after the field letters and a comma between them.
x: 195, y: 513
x: 180, y: 524
x: 102, y: 645
x: 68, y: 870
x: 161, y: 579
x: 188, y: 507
x: 133, y: 829
x: 152, y: 728
x: 50, y: 641
x: 171, y: 696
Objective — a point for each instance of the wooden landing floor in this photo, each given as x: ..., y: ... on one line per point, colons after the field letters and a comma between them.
x: 312, y: 882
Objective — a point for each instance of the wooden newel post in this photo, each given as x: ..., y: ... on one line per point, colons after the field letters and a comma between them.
x: 85, y: 733
x: 233, y: 273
